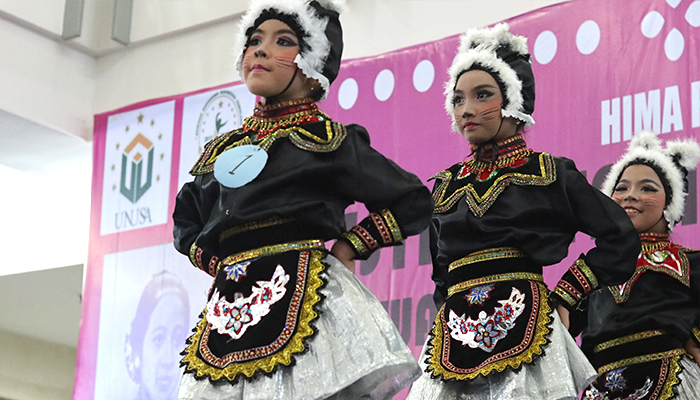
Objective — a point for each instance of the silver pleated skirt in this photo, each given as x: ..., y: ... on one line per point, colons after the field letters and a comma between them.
x: 560, y: 373
x: 357, y: 353
x: 689, y: 388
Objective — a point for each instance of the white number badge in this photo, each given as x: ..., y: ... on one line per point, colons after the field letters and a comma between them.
x: 239, y: 165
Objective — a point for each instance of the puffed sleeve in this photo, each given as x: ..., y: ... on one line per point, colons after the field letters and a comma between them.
x: 439, y: 275
x: 398, y: 202
x: 192, y: 208
x: 614, y: 258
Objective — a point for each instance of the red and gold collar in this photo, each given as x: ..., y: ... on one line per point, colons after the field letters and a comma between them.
x: 511, y: 153
x: 270, y: 118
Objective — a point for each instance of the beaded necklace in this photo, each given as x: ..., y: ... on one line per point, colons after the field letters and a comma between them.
x: 652, y: 242
x: 267, y: 119
x: 511, y: 153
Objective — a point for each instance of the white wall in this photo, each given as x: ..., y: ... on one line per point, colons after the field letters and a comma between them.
x: 35, y: 370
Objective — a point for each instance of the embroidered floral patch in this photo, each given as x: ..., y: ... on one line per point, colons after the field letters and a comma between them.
x: 614, y: 380
x: 235, y: 318
x: 479, y: 294
x: 593, y: 394
x: 487, y: 330
x: 237, y: 271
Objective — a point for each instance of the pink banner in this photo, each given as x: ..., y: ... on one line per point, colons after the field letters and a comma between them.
x: 603, y: 70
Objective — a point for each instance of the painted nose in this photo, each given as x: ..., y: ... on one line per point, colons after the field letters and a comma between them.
x: 260, y: 52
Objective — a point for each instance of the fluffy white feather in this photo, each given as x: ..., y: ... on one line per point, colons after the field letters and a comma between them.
x: 647, y: 146
x: 311, y: 62
x: 688, y: 151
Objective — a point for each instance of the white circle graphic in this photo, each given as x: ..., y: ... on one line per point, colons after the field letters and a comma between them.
x: 674, y: 44
x: 692, y: 15
x: 588, y: 37
x: 423, y: 76
x: 545, y: 47
x: 673, y: 3
x: 652, y: 24
x: 384, y: 85
x: 347, y: 93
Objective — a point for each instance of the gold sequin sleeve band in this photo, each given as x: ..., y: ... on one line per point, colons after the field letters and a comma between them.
x: 576, y: 284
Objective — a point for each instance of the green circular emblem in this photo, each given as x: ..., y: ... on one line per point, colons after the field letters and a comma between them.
x: 221, y: 114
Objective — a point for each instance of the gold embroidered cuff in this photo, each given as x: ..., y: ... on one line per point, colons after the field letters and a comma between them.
x: 196, y: 256
x: 360, y: 249
x: 696, y: 333
x: 586, y: 271
x: 393, y: 225
x: 564, y: 295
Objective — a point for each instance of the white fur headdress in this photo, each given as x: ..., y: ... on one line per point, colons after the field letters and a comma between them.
x: 645, y: 148
x: 320, y: 59
x: 506, y: 56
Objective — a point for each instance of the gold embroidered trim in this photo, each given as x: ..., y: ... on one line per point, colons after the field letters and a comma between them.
x: 535, y: 347
x: 271, y: 250
x: 267, y: 364
x: 627, y: 339
x: 621, y: 293
x: 300, y: 137
x: 501, y: 162
x: 487, y: 255
x: 512, y: 276
x: 565, y: 295
x: 696, y: 333
x: 393, y: 225
x: 357, y: 243
x: 270, y: 124
x: 640, y: 359
x: 251, y: 227
x: 205, y: 163
x: 478, y: 205
x: 335, y: 134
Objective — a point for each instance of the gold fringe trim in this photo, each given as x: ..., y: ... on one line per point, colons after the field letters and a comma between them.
x: 267, y: 364
x: 674, y: 369
x: 534, y: 349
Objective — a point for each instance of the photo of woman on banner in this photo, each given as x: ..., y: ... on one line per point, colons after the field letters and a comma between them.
x: 642, y: 335
x: 499, y: 217
x: 285, y: 319
x: 153, y: 343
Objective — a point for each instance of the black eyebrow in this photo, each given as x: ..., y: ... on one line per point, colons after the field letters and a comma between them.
x: 279, y: 32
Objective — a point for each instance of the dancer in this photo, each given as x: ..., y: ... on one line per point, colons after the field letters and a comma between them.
x: 498, y: 218
x: 285, y: 319
x: 637, y: 333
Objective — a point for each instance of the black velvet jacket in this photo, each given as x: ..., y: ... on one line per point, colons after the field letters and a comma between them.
x: 536, y: 206
x: 316, y: 168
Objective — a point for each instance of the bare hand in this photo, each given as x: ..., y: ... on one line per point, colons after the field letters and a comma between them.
x: 692, y: 347
x: 563, y: 315
x: 344, y: 253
